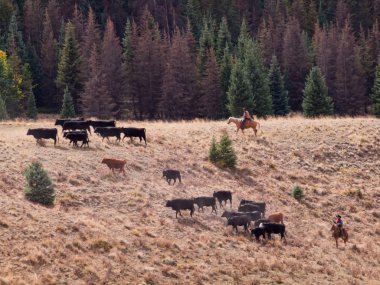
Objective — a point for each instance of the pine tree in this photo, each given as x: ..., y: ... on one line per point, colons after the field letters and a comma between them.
x: 194, y: 14
x: 211, y: 87
x: 316, y: 101
x: 8, y: 92
x: 242, y: 40
x: 277, y: 89
x: 225, y: 74
x: 206, y: 42
x: 33, y: 15
x: 78, y: 23
x: 376, y: 92
x: 256, y: 79
x: 238, y: 92
x: 213, y: 154
x: 3, y: 109
x: 69, y: 68
x: 67, y: 110
x: 39, y: 187
x: 49, y: 63
x: 112, y: 71
x: 55, y: 16
x: 227, y: 156
x: 31, y: 111
x: 223, y: 40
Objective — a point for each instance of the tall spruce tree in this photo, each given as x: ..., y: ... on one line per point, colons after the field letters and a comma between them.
x: 238, y: 92
x: 67, y: 110
x: 225, y: 74
x: 69, y: 68
x: 31, y: 111
x: 316, y: 101
x: 376, y: 92
x: 256, y: 79
x: 206, y: 42
x: 3, y: 109
x: 223, y: 39
x: 277, y: 89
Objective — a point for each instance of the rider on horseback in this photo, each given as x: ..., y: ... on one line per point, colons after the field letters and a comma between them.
x: 246, y: 116
x: 339, y: 222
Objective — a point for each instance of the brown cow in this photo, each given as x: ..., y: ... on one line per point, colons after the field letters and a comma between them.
x: 113, y: 164
x: 276, y: 217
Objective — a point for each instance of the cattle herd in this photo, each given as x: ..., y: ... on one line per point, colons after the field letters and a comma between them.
x: 248, y: 212
x: 77, y: 130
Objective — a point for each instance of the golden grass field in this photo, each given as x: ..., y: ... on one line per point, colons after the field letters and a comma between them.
x: 114, y: 229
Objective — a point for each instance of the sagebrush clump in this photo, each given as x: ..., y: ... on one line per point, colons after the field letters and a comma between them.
x: 39, y: 187
x: 222, y: 153
x: 298, y: 193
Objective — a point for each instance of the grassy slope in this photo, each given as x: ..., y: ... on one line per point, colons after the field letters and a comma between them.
x: 108, y: 229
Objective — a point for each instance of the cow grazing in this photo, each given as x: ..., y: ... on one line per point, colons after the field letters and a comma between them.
x: 223, y: 196
x: 249, y: 208
x: 260, y: 221
x: 239, y: 221
x: 171, y: 175
x: 252, y: 215
x: 60, y: 122
x: 205, y: 202
x: 134, y: 133
x: 108, y: 132
x: 76, y: 125
x: 257, y: 232
x: 262, y: 205
x: 102, y: 123
x: 113, y: 164
x: 276, y: 218
x: 42, y: 133
x: 273, y: 228
x: 77, y: 136
x: 181, y: 204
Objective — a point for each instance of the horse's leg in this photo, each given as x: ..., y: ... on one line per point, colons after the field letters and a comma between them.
x: 336, y: 241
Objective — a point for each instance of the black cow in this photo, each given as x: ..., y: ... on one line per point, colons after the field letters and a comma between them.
x: 102, y: 123
x: 205, y: 202
x: 76, y: 136
x: 134, y: 133
x: 248, y: 208
x: 262, y: 205
x: 76, y: 125
x: 181, y: 204
x: 257, y: 232
x: 261, y: 221
x: 60, y: 122
x: 253, y: 215
x: 273, y: 228
x: 223, y: 196
x: 171, y: 175
x: 108, y: 132
x: 43, y: 133
x: 239, y: 221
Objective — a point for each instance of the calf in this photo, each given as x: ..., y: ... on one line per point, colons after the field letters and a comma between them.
x: 108, y: 132
x: 134, y: 132
x: 205, y: 202
x: 239, y: 221
x: 257, y: 232
x: 60, y: 122
x: 262, y: 205
x: 102, y: 123
x: 181, y: 204
x: 76, y: 125
x: 249, y: 208
x: 171, y: 175
x: 273, y: 228
x: 76, y: 136
x: 113, y: 164
x: 276, y: 217
x: 223, y: 196
x: 42, y: 133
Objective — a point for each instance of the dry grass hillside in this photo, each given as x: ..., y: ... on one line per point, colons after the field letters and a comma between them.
x: 114, y: 229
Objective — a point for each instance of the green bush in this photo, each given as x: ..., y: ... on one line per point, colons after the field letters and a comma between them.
x: 31, y: 111
x: 297, y: 193
x: 3, y: 110
x: 222, y: 153
x: 67, y: 110
x: 39, y: 187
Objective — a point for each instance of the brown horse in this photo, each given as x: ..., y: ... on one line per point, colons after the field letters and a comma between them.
x: 255, y: 125
x: 343, y: 235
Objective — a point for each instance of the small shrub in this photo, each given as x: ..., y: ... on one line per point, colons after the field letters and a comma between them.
x: 297, y: 193
x: 359, y: 193
x: 222, y: 153
x: 39, y: 187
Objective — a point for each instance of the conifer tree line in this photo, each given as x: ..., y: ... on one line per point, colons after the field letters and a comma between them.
x: 192, y: 58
